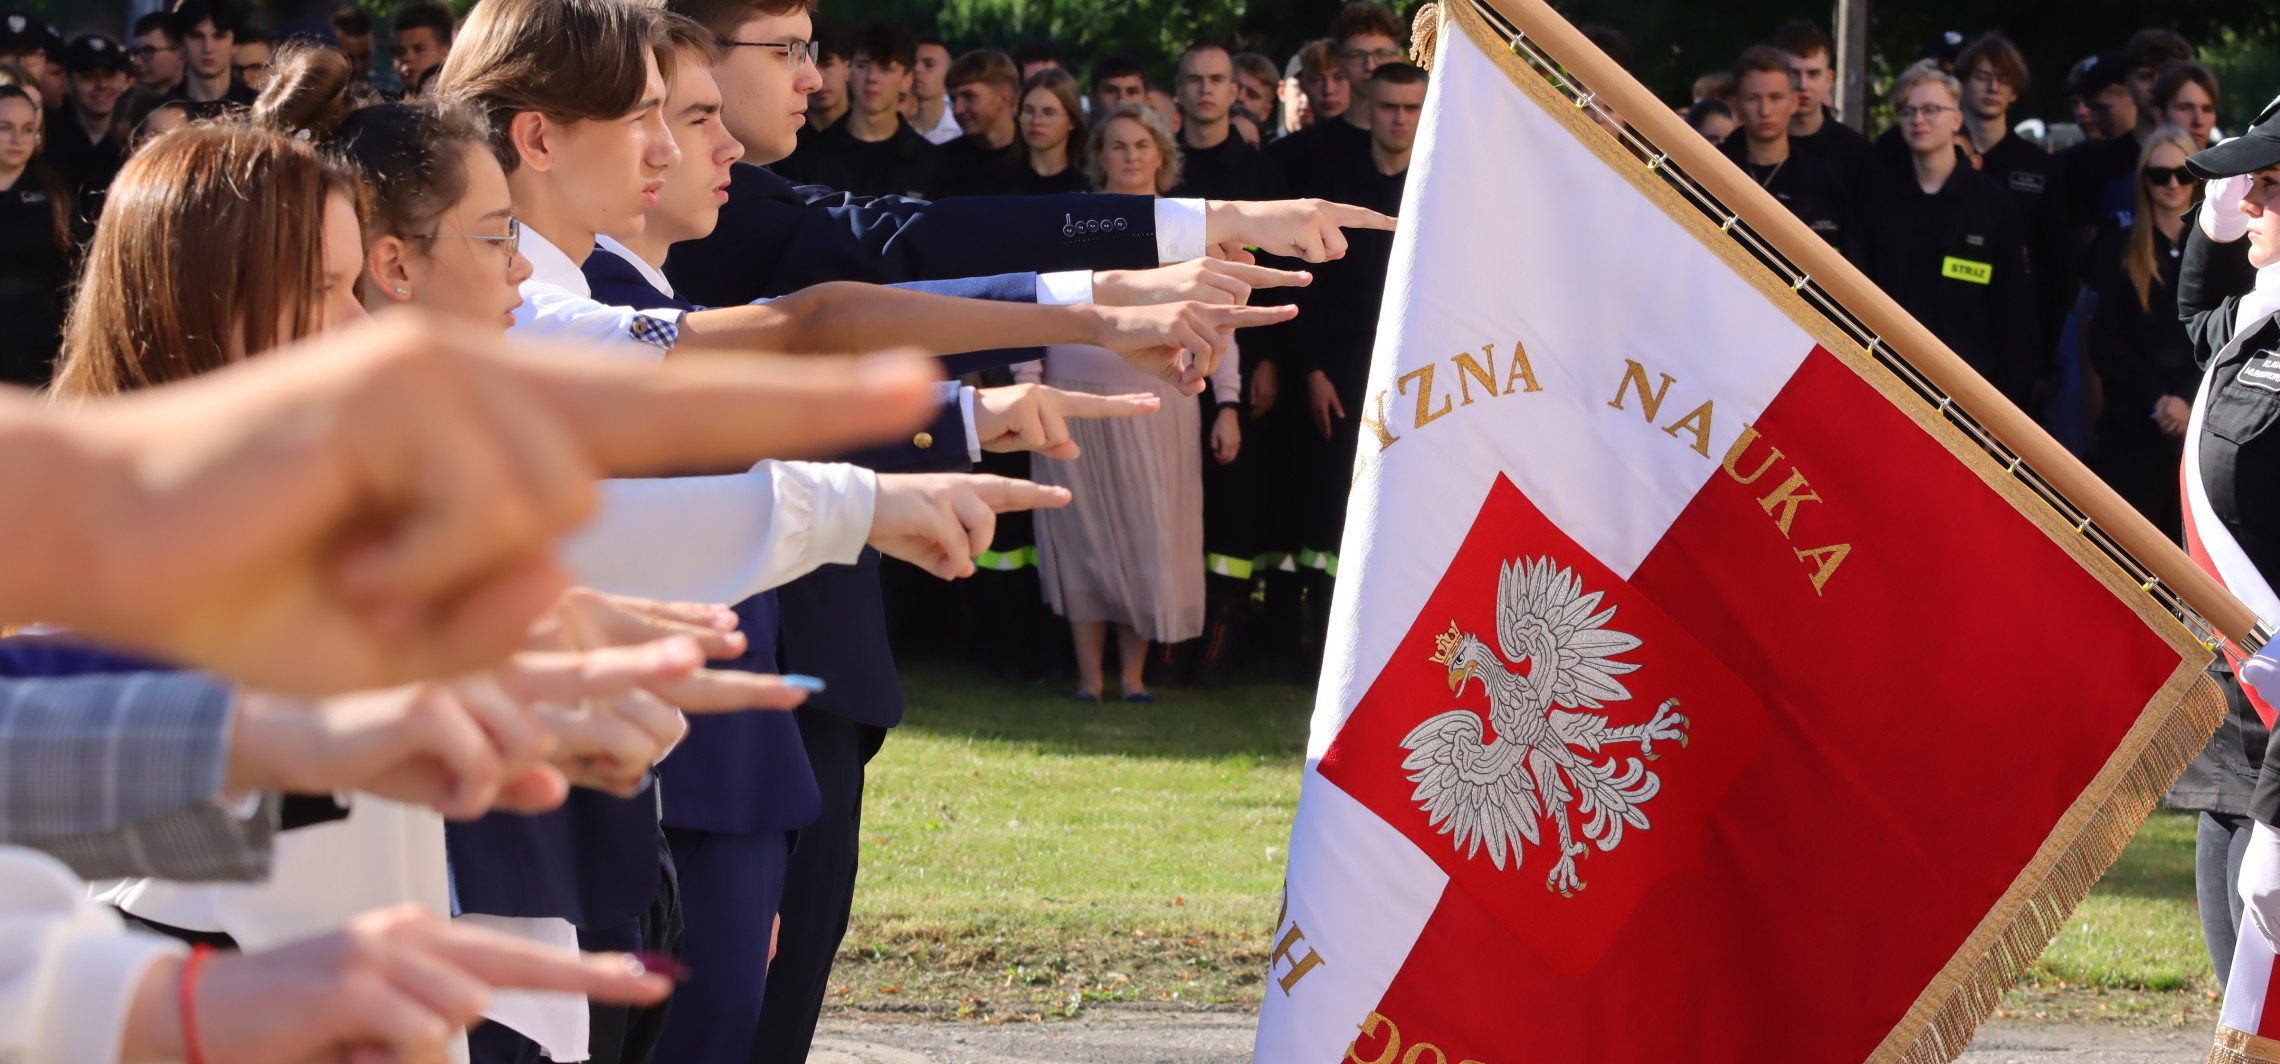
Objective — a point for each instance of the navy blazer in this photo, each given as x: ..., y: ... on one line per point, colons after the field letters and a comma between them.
x: 776, y: 237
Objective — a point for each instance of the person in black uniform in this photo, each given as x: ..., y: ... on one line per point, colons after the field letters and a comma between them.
x: 2147, y: 360
x: 987, y: 161
x: 83, y: 144
x: 1053, y: 135
x: 2235, y: 337
x: 1217, y: 163
x: 1994, y: 76
x: 1330, y: 361
x: 1947, y: 241
x: 35, y: 243
x: 1214, y: 162
x: 2134, y: 342
x: 209, y: 36
x: 1335, y: 70
x: 1814, y: 129
x: 1813, y: 188
x: 24, y: 42
x: 2094, y: 177
x: 873, y: 151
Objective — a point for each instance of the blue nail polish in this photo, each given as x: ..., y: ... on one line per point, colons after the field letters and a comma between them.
x: 811, y: 684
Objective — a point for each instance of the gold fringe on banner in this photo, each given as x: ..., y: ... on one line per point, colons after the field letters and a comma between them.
x: 2032, y: 913
x: 2172, y: 729
x: 2241, y: 1047
x: 1424, y: 33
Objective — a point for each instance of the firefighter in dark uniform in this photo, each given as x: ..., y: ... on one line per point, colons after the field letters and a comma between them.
x: 2235, y: 332
x: 1947, y: 242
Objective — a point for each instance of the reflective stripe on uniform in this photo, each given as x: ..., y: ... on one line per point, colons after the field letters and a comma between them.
x: 1006, y: 561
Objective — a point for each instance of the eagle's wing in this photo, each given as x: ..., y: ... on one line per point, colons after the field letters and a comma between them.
x: 1480, y: 794
x: 1538, y: 596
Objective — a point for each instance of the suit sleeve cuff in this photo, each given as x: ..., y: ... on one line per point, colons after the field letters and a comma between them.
x: 1062, y: 289
x: 966, y: 415
x: 1180, y: 232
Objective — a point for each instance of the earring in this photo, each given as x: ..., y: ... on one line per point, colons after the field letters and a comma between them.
x: 403, y: 291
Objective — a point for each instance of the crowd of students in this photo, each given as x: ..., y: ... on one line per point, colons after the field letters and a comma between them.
x: 1158, y: 303
x: 2045, y: 254
x: 223, y: 856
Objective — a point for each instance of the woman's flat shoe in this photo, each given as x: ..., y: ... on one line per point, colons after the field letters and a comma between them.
x: 1142, y: 698
x: 1086, y: 696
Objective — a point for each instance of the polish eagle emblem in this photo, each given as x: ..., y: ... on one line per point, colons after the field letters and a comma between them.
x: 1543, y: 758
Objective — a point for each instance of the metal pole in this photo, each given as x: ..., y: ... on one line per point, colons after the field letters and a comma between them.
x: 1852, y: 63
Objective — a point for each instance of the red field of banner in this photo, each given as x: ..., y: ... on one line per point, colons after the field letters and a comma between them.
x: 1891, y: 802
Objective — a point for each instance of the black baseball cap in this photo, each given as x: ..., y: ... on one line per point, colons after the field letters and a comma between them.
x: 2244, y: 154
x: 22, y: 31
x: 93, y: 51
x: 2094, y: 74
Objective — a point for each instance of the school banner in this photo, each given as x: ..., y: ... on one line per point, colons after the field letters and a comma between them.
x: 1696, y: 691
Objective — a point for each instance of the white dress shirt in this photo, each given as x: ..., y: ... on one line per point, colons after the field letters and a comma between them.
x: 946, y: 128
x: 69, y: 969
x: 558, y: 304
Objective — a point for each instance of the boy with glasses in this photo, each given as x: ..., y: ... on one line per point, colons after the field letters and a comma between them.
x: 1948, y: 243
x: 1368, y: 36
x: 157, y: 57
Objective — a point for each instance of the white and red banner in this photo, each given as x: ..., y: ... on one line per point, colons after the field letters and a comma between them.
x: 1694, y: 692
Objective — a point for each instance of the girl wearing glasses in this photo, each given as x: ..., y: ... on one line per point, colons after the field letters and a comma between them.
x: 1947, y: 243
x: 2143, y: 357
x: 441, y: 233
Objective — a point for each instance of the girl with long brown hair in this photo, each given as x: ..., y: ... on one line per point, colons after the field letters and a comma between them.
x: 217, y: 242
x: 2143, y: 356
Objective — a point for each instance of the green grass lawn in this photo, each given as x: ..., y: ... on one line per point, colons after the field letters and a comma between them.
x: 1026, y: 855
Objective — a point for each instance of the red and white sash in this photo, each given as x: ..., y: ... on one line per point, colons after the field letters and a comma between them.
x: 2247, y: 1029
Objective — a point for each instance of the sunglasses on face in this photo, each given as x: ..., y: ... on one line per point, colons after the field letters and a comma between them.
x: 2169, y: 175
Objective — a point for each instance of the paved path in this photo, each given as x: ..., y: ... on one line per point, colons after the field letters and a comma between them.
x: 1118, y: 1037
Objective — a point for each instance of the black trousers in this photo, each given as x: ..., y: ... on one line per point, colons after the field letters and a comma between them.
x: 819, y: 887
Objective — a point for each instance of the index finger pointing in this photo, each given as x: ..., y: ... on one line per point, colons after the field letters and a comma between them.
x: 1267, y: 276
x: 1080, y: 404
x: 1246, y: 317
x: 1005, y: 495
x: 1348, y: 216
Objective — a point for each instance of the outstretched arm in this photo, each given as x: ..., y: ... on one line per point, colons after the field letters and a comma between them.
x: 849, y: 316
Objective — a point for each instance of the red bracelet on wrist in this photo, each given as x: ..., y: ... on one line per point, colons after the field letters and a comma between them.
x: 186, y: 1001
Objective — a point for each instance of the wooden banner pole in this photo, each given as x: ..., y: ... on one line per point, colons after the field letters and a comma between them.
x: 1844, y: 283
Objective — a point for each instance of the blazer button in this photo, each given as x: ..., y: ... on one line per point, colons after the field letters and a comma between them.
x: 923, y: 440
x: 1120, y: 225
x: 1068, y: 230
